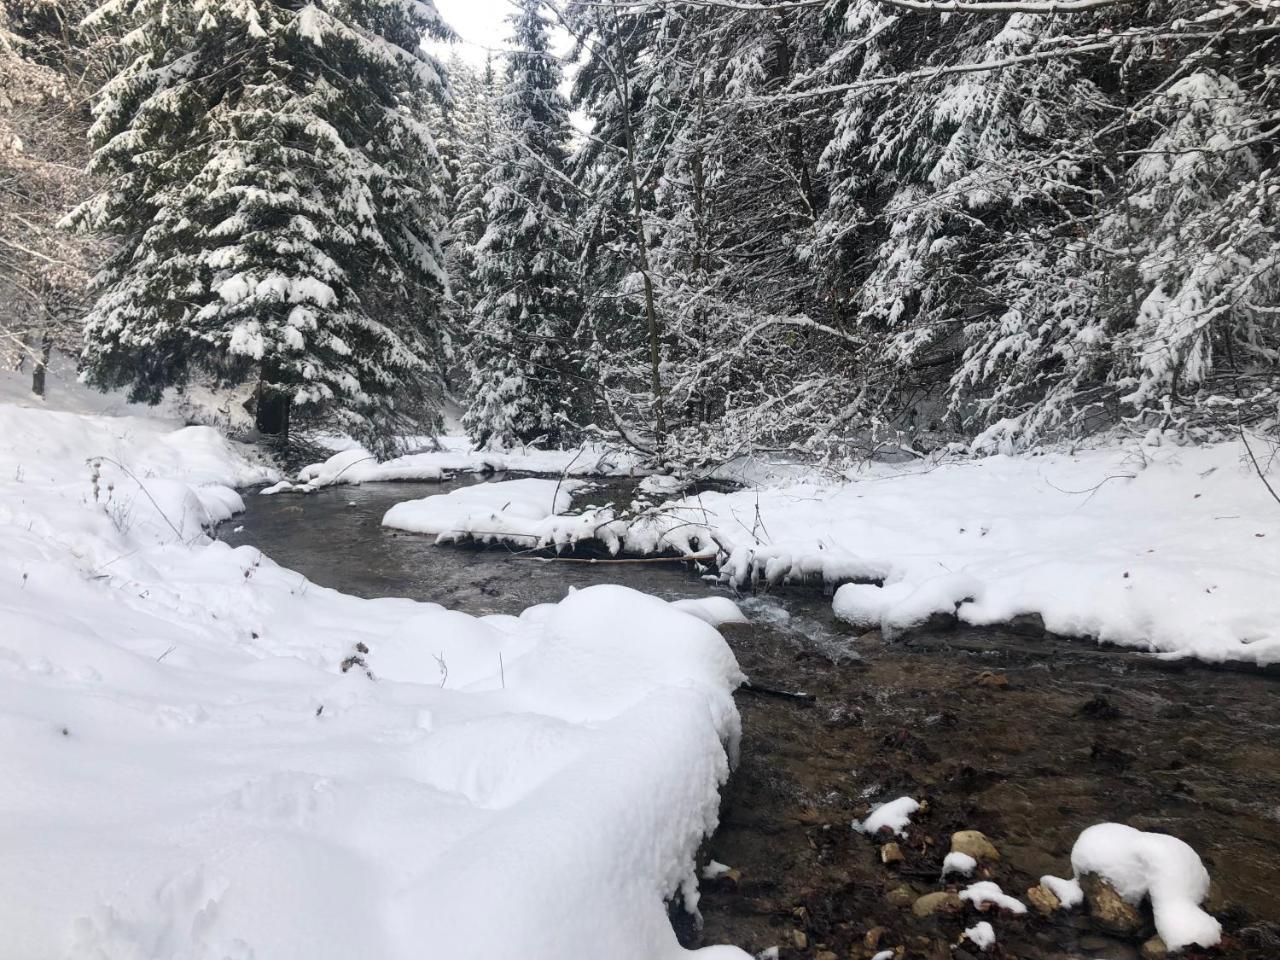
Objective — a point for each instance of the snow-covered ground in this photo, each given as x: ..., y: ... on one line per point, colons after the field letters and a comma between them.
x: 207, y: 756
x: 1167, y: 548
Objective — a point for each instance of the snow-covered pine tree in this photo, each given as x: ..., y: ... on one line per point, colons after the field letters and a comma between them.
x: 279, y: 205
x: 473, y: 123
x: 523, y: 381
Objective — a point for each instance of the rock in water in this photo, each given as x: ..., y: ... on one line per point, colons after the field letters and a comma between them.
x: 1043, y: 899
x: 975, y: 844
x: 932, y: 903
x: 1107, y: 908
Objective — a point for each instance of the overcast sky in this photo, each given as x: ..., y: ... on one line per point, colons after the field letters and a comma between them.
x: 483, y: 27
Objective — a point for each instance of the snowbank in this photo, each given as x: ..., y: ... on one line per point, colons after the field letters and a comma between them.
x: 1169, y: 549
x: 1139, y: 865
x: 207, y: 756
x: 354, y: 464
x: 508, y: 510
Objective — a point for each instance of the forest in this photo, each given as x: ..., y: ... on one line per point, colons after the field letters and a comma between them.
x: 826, y: 227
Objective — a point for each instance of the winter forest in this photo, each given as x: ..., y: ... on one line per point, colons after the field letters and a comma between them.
x: 639, y: 479
x: 826, y: 227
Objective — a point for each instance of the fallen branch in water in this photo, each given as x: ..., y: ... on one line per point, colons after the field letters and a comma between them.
x: 772, y: 692
x: 696, y: 556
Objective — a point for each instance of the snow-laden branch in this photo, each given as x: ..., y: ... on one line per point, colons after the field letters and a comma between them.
x: 1002, y: 6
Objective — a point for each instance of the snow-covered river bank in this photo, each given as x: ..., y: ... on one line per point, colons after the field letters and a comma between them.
x: 1029, y: 739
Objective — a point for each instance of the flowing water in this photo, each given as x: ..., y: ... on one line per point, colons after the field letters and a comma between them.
x: 1028, y: 739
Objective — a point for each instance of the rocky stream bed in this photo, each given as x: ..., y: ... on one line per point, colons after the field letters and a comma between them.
x: 1024, y: 738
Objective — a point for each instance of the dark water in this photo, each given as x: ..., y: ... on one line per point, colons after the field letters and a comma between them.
x: 1065, y: 736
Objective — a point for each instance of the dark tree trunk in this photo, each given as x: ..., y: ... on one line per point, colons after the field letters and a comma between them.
x: 41, y: 368
x: 271, y: 412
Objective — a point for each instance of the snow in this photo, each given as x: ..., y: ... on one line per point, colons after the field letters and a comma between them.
x: 1068, y: 892
x: 981, y: 935
x: 1140, y: 864
x: 505, y: 510
x: 894, y: 816
x: 190, y: 772
x: 714, y: 869
x: 986, y: 893
x: 455, y: 454
x: 714, y: 610
x: 1167, y: 549
x: 960, y: 863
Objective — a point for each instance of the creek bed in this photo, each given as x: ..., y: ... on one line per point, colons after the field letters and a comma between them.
x: 1026, y: 739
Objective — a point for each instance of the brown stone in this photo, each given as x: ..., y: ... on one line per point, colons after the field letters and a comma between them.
x: 901, y: 897
x: 1107, y: 908
x: 1043, y: 899
x: 933, y: 903
x: 891, y: 853
x: 1154, y: 949
x: 826, y: 955
x: 873, y: 937
x: 992, y: 681
x: 975, y: 844
x: 799, y: 939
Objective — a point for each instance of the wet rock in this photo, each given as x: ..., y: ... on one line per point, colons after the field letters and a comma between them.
x: 1107, y: 908
x: 799, y: 939
x: 992, y: 681
x: 826, y: 955
x: 1192, y: 749
x: 873, y: 937
x: 975, y: 844
x: 1154, y: 949
x: 1027, y: 625
x: 944, y: 901
x: 1043, y: 899
x: 901, y: 897
x: 891, y: 853
x: 1114, y: 949
x: 1098, y: 708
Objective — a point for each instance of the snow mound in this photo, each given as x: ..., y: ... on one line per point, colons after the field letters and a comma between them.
x: 960, y: 863
x: 1138, y: 865
x: 894, y: 816
x: 981, y: 935
x: 714, y: 610
x: 508, y: 510
x: 207, y: 756
x: 987, y: 893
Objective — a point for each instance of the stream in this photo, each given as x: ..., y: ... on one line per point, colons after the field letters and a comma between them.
x: 1026, y: 738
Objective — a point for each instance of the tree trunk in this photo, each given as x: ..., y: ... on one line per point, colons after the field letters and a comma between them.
x: 271, y: 412
x: 41, y: 368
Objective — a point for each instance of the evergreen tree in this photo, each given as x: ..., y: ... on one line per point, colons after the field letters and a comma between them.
x: 523, y: 377
x: 279, y: 203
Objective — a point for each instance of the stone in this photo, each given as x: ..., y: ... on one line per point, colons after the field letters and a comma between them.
x: 1107, y: 908
x: 799, y: 939
x: 826, y: 955
x: 975, y: 844
x: 1154, y: 949
x: 891, y: 853
x: 901, y: 897
x: 934, y: 903
x: 1026, y: 625
x: 873, y: 937
x: 1043, y: 899
x: 992, y: 681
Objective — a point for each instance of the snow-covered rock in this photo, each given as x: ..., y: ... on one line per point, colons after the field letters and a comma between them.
x: 510, y: 510
x: 1138, y: 865
x: 894, y: 816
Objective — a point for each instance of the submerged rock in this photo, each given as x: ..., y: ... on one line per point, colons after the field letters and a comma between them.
x: 943, y: 901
